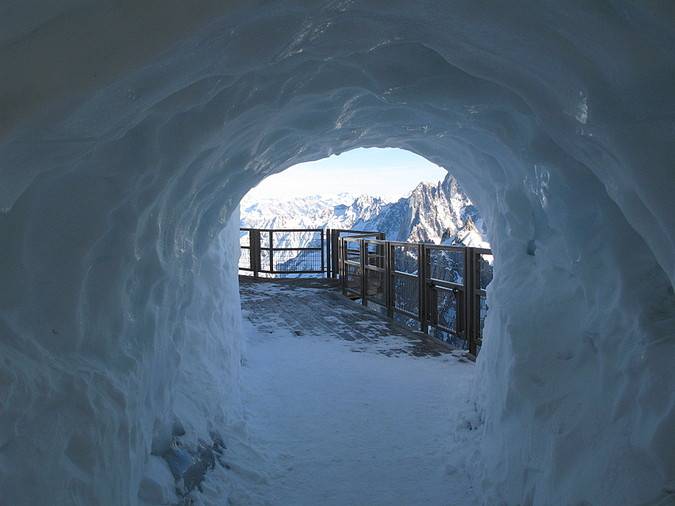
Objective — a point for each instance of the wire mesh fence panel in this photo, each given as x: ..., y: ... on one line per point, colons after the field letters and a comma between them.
x: 375, y: 286
x: 375, y: 259
x: 406, y: 320
x: 446, y: 309
x: 406, y: 294
x: 296, y: 238
x: 298, y: 261
x: 352, y: 279
x: 265, y: 265
x: 245, y: 259
x: 446, y: 265
x: 353, y: 249
x: 406, y: 257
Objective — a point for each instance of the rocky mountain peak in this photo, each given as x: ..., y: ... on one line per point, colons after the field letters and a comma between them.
x: 437, y: 212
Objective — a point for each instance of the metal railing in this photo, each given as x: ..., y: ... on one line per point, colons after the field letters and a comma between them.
x: 442, y: 288
x: 276, y: 252
x: 333, y: 245
x: 439, y: 288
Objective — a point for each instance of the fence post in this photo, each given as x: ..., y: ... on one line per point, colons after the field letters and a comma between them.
x: 335, y: 237
x: 459, y: 313
x: 343, y: 266
x: 271, y: 239
x: 470, y: 299
x: 254, y: 242
x: 329, y: 256
x: 363, y: 248
x: 323, y: 258
x: 422, y: 286
x: 432, y: 304
x: 388, y: 280
x: 325, y: 252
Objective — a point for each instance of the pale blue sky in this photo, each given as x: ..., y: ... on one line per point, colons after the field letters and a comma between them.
x: 388, y: 173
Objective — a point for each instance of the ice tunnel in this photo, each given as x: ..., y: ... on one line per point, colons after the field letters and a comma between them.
x: 130, y: 131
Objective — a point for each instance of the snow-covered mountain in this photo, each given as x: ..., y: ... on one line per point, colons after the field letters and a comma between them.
x: 313, y: 211
x: 433, y: 212
x: 436, y: 213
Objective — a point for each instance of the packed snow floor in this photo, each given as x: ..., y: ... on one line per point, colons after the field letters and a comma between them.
x: 350, y: 409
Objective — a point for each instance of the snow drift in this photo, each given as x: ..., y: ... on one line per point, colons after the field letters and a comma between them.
x: 130, y: 131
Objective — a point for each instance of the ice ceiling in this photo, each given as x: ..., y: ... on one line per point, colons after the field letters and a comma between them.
x: 129, y: 132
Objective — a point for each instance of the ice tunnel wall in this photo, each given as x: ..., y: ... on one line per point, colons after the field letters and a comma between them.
x: 129, y: 133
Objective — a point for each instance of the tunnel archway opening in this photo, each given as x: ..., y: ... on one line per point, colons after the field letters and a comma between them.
x: 314, y: 370
x: 423, y: 237
x: 119, y: 308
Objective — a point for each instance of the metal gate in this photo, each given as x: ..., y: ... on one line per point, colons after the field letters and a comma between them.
x: 441, y: 288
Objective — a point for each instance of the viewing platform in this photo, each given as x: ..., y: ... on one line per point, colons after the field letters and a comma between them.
x: 317, y: 307
x: 438, y: 289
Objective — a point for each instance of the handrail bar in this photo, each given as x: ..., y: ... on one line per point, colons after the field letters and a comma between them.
x: 405, y: 274
x: 308, y: 248
x: 450, y: 247
x: 449, y: 285
x: 284, y: 229
x: 355, y: 232
x: 368, y: 232
x: 356, y: 237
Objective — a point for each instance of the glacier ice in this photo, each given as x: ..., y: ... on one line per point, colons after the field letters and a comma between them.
x: 130, y: 132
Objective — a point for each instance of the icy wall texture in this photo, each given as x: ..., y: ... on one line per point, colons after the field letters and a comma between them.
x: 129, y: 131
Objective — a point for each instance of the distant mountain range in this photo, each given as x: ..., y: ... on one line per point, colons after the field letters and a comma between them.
x: 439, y: 213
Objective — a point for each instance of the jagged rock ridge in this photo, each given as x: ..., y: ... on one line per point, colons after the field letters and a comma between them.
x: 437, y: 213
